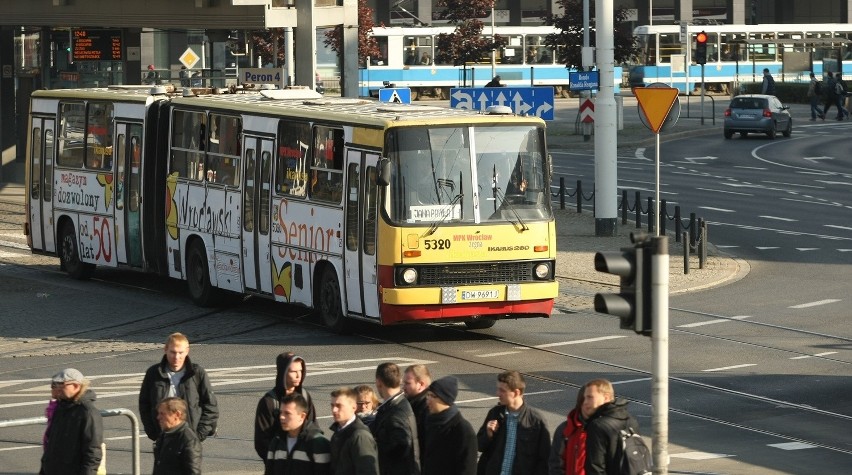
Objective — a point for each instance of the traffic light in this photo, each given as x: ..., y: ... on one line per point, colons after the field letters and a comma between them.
x: 701, y: 48
x: 236, y: 43
x: 633, y: 302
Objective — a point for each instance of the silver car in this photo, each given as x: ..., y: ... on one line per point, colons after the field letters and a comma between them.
x: 757, y: 113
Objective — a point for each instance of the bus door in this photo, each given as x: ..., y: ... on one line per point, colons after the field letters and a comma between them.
x: 128, y: 170
x: 362, y: 295
x: 257, y: 192
x: 41, y: 185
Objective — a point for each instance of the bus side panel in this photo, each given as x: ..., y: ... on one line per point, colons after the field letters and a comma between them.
x: 90, y: 196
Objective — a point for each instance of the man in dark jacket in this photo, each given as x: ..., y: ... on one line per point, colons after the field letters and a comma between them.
x: 76, y: 431
x: 514, y: 437
x: 395, y: 428
x: 415, y: 382
x: 178, y: 450
x: 177, y: 376
x: 290, y: 373
x: 353, y: 449
x: 449, y: 442
x: 608, y: 417
x: 300, y: 448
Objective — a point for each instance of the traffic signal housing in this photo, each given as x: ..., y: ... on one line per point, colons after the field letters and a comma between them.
x: 701, y: 48
x: 633, y: 302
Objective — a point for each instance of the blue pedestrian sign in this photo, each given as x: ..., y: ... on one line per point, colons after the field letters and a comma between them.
x: 584, y: 80
x: 399, y: 95
x: 537, y: 100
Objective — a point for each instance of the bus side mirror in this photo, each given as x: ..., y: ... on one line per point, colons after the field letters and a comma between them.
x: 384, y: 172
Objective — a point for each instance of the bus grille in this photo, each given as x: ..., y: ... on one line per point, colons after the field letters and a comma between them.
x: 479, y: 273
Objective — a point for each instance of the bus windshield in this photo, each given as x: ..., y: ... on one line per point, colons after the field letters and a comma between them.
x: 467, y: 175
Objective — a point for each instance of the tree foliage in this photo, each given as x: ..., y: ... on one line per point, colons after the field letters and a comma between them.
x: 267, y: 43
x: 568, y: 43
x: 367, y: 44
x: 466, y: 44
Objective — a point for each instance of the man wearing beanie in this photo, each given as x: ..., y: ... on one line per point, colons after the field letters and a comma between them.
x: 76, y: 432
x: 506, y: 425
x: 450, y: 442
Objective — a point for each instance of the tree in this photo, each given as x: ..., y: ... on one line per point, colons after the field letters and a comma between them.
x: 568, y: 43
x: 268, y: 43
x: 466, y: 44
x: 368, y: 47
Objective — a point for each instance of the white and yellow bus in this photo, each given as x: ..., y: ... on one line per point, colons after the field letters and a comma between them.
x: 387, y: 213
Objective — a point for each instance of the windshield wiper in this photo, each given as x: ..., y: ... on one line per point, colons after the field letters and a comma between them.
x: 503, y: 201
x: 434, y: 226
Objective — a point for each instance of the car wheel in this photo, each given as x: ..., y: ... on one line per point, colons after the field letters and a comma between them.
x: 789, y: 130
x: 728, y: 134
x: 772, y: 132
x: 743, y: 134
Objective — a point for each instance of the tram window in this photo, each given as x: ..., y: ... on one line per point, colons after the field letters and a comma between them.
x: 537, y: 51
x: 733, y: 49
x: 99, y: 136
x: 669, y: 45
x: 291, y: 176
x: 647, y: 49
x: 352, y: 181
x: 189, y: 133
x: 72, y: 122
x: 36, y: 163
x: 417, y: 51
x: 47, y: 184
x: 327, y: 165
x: 382, y: 58
x: 370, y: 193
x: 223, y: 151
x: 513, y: 51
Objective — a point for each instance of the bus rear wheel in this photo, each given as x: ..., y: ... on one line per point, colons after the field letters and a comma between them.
x: 330, y: 309
x: 480, y: 323
x: 201, y: 291
x: 69, y: 255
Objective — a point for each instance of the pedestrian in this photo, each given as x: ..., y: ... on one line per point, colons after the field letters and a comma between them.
x: 290, y: 371
x: 353, y: 449
x: 76, y: 434
x: 415, y: 382
x: 507, y: 423
x: 299, y: 448
x: 366, y: 404
x: 177, y: 376
x: 50, y: 409
x: 830, y: 89
x: 568, y: 450
x: 395, y: 428
x: 449, y: 445
x: 768, y: 86
x: 152, y: 77
x: 840, y: 91
x: 608, y: 417
x: 495, y: 82
x: 178, y: 450
x: 814, y: 90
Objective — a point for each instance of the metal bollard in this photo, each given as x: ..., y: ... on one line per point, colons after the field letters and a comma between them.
x: 624, y: 207
x: 579, y: 196
x: 651, y: 216
x: 693, y: 230
x: 638, y: 202
x: 685, y: 253
x: 562, y: 192
x: 663, y: 213
x: 702, y: 251
x: 678, y: 224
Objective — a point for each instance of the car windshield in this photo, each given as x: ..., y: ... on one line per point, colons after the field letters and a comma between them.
x: 748, y: 103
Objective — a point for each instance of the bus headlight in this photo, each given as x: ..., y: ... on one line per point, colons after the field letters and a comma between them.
x: 409, y: 276
x: 542, y: 271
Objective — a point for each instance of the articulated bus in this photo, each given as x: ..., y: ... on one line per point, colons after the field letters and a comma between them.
x: 739, y: 53
x: 387, y: 213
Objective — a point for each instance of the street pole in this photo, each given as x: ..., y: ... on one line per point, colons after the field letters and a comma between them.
x: 606, y: 139
x: 493, y: 51
x: 660, y: 353
x: 657, y: 184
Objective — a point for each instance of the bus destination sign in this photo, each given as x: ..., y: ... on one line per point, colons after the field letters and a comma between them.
x: 97, y: 45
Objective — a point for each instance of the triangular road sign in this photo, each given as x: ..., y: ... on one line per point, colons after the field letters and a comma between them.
x: 656, y: 103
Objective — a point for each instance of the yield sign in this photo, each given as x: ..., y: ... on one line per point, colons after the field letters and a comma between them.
x: 655, y: 103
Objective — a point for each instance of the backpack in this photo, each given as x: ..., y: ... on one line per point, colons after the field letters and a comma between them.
x: 818, y: 88
x: 634, y: 456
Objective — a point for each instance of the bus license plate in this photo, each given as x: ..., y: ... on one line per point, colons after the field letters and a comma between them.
x: 480, y: 294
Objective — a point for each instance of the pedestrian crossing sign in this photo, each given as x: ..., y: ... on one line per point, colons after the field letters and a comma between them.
x: 398, y: 95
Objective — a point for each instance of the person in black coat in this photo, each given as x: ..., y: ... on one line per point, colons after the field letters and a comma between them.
x: 76, y: 431
x: 395, y: 427
x: 415, y: 382
x: 449, y: 445
x: 177, y: 450
x: 353, y: 449
x: 177, y: 376
x: 603, y: 428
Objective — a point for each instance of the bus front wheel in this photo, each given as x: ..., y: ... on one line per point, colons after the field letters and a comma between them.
x: 69, y: 255
x: 330, y: 309
x: 198, y: 276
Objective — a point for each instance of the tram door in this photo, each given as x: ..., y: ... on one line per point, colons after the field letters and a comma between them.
x: 41, y: 185
x: 128, y: 160
x: 362, y: 296
x: 257, y: 192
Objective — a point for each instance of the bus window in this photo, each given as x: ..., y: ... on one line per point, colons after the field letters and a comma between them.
x: 121, y: 144
x: 327, y: 165
x: 35, y: 173
x: 99, y: 136
x: 352, y: 207
x: 248, y: 192
x: 223, y: 151
x: 135, y: 192
x: 48, y: 164
x: 370, y: 203
x: 265, y: 177
x: 72, y: 121
x: 294, y: 140
x: 189, y: 132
